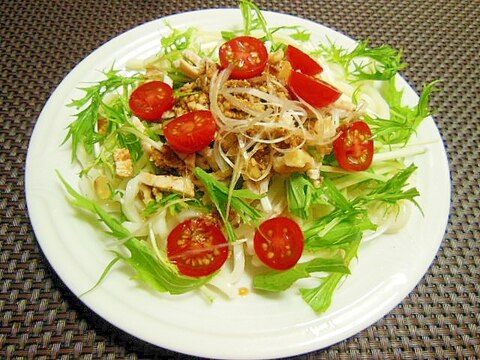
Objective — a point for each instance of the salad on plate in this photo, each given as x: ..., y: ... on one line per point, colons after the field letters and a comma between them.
x: 249, y: 152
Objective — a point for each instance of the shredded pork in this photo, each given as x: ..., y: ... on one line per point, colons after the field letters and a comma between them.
x: 262, y: 129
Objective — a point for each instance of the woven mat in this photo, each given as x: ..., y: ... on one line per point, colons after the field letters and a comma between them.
x: 41, y: 41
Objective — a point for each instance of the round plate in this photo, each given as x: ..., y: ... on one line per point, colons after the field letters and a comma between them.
x: 254, y: 326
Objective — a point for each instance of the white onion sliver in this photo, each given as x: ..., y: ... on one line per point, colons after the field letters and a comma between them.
x: 129, y: 200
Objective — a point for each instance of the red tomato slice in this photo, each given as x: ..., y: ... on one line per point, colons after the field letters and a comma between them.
x: 316, y: 92
x: 197, y: 246
x: 191, y: 132
x: 354, y: 147
x: 150, y: 100
x: 302, y: 62
x: 279, y: 242
x: 248, y: 54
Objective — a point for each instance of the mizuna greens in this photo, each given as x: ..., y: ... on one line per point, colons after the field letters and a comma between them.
x: 271, y: 156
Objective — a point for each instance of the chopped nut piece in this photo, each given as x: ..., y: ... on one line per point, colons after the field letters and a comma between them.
x: 102, y: 188
x: 295, y: 161
x: 276, y: 57
x: 195, y: 100
x: 123, y: 163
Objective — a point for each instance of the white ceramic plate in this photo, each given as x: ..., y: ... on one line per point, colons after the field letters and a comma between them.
x: 250, y: 327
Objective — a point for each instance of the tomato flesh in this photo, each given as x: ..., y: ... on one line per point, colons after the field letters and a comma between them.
x: 314, y: 91
x: 354, y: 147
x: 197, y: 247
x: 302, y: 62
x: 151, y: 100
x: 191, y: 132
x: 279, y: 243
x: 247, y: 54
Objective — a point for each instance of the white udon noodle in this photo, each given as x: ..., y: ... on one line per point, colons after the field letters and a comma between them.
x: 292, y: 115
x: 160, y: 225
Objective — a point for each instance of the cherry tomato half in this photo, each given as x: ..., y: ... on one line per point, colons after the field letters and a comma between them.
x: 191, y: 132
x: 248, y: 54
x: 354, y: 146
x: 197, y: 246
x: 150, y: 100
x: 279, y: 243
x: 316, y: 92
x: 302, y: 62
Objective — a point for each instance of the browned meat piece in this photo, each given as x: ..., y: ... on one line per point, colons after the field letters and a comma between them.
x: 259, y: 162
x: 168, y: 183
x: 167, y: 159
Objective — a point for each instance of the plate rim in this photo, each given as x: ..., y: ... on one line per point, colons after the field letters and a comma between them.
x: 37, y: 226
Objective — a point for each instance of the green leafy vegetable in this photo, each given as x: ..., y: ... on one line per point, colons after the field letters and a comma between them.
x: 337, y: 234
x: 253, y: 19
x: 393, y: 190
x: 221, y: 197
x: 300, y: 194
x: 404, y: 120
x: 348, y: 219
x: 276, y: 281
x: 364, y: 62
x: 105, y: 272
x: 173, y: 46
x: 177, y: 41
x: 300, y: 35
x: 320, y: 298
x: 155, y: 272
x: 83, y: 131
x: 173, y: 201
x: 118, y: 114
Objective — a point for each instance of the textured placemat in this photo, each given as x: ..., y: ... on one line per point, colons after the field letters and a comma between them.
x: 41, y: 41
